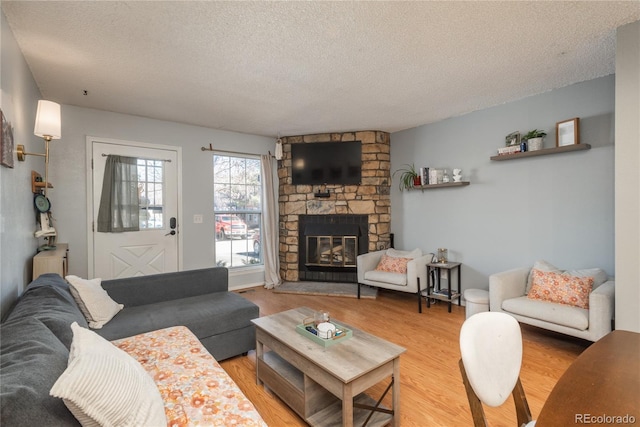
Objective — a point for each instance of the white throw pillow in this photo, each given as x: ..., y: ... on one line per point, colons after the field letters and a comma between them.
x: 94, y: 302
x: 394, y: 253
x: 104, y: 386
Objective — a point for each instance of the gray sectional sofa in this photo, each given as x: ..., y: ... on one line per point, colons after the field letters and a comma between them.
x: 36, y: 335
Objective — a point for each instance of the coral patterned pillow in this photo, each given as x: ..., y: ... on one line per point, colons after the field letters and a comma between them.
x: 560, y: 288
x: 393, y: 264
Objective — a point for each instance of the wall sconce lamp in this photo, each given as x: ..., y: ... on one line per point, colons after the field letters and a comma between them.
x: 47, y: 127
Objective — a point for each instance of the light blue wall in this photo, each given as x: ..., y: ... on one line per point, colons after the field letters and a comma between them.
x: 559, y: 207
x: 68, y: 174
x: 19, y: 100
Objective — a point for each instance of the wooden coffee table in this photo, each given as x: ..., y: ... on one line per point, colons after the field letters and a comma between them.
x: 325, y: 385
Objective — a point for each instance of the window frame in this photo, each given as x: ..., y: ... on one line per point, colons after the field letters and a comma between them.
x: 252, y: 261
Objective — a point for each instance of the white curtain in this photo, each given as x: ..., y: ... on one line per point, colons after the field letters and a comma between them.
x: 270, y: 232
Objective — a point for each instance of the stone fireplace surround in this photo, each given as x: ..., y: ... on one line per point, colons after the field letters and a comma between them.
x: 348, y: 203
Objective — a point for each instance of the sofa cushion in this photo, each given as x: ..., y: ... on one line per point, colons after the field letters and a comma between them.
x: 393, y: 264
x: 94, y: 302
x: 205, y: 315
x: 565, y: 315
x: 560, y: 288
x: 386, y: 277
x: 103, y: 385
x: 31, y: 360
x: 48, y: 299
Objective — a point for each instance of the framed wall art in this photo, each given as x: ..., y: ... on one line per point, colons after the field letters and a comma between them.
x: 568, y: 132
x: 512, y: 139
x: 6, y: 142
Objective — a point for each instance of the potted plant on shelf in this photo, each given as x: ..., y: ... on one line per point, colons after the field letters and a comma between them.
x: 409, y: 178
x: 534, y: 139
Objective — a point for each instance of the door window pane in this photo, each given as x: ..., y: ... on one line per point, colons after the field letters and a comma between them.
x: 151, y: 190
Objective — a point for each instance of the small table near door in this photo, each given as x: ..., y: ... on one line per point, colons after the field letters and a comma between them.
x: 604, y: 381
x: 434, y: 274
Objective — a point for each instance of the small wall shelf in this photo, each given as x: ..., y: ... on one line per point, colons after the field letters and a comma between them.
x: 37, y: 183
x: 543, y: 152
x: 443, y: 185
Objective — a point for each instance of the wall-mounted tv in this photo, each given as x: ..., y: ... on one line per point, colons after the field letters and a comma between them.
x: 318, y: 163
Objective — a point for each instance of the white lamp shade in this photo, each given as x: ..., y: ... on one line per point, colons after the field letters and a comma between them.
x: 48, y: 120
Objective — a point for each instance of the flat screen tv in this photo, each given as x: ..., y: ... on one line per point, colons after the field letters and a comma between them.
x: 320, y: 163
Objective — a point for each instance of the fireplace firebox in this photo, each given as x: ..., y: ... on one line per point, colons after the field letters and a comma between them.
x: 331, y: 245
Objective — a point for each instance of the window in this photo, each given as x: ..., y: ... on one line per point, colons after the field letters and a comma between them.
x: 237, y: 207
x: 150, y: 191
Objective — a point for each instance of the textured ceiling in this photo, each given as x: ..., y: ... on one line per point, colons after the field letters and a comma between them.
x: 290, y: 68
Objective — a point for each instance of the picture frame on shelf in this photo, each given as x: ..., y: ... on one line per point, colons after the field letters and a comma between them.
x: 568, y: 132
x: 512, y: 139
x: 6, y: 142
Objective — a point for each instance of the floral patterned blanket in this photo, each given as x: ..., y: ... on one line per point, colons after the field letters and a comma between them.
x: 195, y: 389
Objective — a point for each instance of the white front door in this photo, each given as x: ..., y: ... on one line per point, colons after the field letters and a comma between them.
x: 155, y: 248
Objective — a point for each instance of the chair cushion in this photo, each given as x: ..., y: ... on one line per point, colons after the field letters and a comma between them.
x: 598, y: 274
x: 541, y: 266
x: 416, y: 253
x: 386, y: 277
x: 561, y: 288
x: 393, y: 264
x: 564, y: 315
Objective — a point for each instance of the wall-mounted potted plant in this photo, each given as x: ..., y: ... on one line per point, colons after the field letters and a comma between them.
x: 409, y: 178
x: 534, y: 139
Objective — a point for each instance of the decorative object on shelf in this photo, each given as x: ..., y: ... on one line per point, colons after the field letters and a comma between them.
x: 47, y: 127
x: 445, y: 177
x: 442, y: 255
x: 512, y: 149
x: 512, y: 139
x: 534, y: 139
x: 457, y: 175
x: 568, y: 132
x: 6, y: 142
x: 409, y: 178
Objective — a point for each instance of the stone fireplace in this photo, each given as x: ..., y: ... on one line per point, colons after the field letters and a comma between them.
x: 321, y: 236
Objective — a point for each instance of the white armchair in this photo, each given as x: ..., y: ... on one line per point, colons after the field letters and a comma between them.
x: 414, y: 281
x: 508, y: 294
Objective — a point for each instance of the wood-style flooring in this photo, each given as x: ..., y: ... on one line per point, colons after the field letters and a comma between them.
x: 431, y: 391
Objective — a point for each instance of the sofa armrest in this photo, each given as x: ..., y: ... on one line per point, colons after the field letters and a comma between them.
x: 601, y: 309
x: 367, y: 262
x: 505, y: 285
x: 142, y: 290
x: 417, y: 269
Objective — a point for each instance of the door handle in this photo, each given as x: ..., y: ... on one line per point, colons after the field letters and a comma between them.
x: 171, y: 233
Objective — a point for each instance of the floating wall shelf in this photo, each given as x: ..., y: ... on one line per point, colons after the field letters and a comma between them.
x: 543, y: 152
x: 443, y: 185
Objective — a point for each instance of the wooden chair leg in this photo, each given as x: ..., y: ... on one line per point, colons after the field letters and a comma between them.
x: 522, y: 407
x: 477, y: 411
x: 358, y: 290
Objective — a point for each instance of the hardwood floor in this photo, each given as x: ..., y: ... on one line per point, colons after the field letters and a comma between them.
x: 432, y: 393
